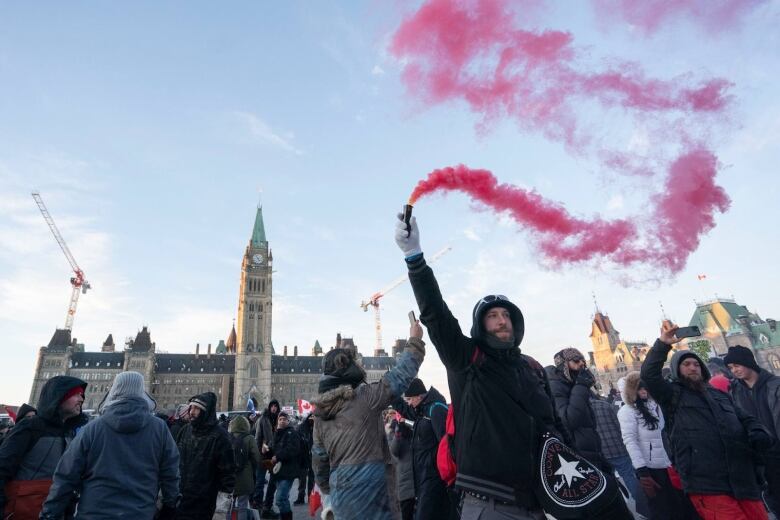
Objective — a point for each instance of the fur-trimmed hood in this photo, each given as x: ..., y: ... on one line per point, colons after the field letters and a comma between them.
x: 330, y: 403
x: 630, y: 388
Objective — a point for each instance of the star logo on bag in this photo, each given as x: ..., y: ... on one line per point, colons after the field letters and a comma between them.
x: 568, y: 470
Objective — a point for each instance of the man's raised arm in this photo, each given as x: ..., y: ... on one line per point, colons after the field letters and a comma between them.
x: 660, y: 389
x: 454, y: 348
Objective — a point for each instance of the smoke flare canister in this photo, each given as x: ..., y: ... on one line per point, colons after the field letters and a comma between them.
x: 408, y: 215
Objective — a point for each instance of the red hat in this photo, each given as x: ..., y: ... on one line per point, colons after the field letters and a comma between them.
x: 76, y: 390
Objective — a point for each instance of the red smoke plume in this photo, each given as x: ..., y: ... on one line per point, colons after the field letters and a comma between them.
x: 648, y: 15
x: 476, y: 51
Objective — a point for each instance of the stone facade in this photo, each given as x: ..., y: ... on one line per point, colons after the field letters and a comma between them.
x: 612, y: 358
x: 242, y: 366
x: 725, y: 323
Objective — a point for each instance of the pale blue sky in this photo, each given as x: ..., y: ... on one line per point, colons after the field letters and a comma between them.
x: 150, y: 128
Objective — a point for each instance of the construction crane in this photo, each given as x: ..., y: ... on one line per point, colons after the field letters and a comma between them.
x: 78, y: 282
x: 373, y: 301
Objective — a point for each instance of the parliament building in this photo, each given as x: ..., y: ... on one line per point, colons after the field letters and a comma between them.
x: 242, y: 366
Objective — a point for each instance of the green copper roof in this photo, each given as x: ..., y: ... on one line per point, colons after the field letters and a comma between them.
x: 258, y: 233
x: 221, y: 348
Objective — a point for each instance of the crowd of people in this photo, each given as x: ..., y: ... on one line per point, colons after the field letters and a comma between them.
x: 518, y: 441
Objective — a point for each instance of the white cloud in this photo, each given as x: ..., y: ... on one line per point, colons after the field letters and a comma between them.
x: 263, y: 132
x: 615, y: 203
x: 377, y: 71
x: 471, y: 234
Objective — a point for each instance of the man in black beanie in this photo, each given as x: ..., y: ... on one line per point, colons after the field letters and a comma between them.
x: 428, y: 409
x: 758, y: 391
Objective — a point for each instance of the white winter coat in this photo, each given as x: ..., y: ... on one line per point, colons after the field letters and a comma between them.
x: 645, y: 446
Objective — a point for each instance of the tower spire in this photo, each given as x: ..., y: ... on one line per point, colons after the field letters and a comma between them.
x: 258, y: 231
x: 595, y: 302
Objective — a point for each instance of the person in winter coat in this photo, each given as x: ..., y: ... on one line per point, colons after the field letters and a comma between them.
x: 104, y: 465
x: 758, y: 392
x: 571, y: 383
x: 399, y: 437
x: 206, y: 460
x: 641, y: 424
x: 265, y: 429
x: 711, y: 441
x: 34, y: 446
x: 306, y: 480
x: 350, y: 456
x: 25, y: 412
x: 428, y: 409
x: 500, y: 397
x: 247, y: 458
x: 288, y: 452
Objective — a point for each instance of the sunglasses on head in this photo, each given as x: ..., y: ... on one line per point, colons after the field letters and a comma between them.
x: 493, y: 297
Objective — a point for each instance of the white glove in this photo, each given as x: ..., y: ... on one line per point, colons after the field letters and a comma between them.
x: 408, y: 241
x: 327, y: 508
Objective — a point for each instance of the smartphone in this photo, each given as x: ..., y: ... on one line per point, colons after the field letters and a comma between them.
x: 687, y: 332
x: 412, y: 318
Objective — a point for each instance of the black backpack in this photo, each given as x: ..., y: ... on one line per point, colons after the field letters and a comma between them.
x: 240, y: 454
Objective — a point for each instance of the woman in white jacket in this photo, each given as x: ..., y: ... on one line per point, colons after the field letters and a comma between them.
x: 641, y: 423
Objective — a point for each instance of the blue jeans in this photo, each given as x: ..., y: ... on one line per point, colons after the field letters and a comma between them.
x: 283, y: 494
x: 626, y: 471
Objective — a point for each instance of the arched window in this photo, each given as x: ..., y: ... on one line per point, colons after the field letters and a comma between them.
x: 254, y: 369
x: 774, y: 361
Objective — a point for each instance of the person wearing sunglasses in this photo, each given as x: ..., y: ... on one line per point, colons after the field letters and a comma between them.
x: 495, y: 389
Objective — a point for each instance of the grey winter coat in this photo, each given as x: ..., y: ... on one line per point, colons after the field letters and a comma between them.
x: 117, y: 463
x: 350, y: 456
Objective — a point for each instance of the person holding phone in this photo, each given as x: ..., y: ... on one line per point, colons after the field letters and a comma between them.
x: 711, y: 441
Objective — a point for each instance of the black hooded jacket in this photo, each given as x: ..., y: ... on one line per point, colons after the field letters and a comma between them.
x: 24, y: 410
x: 708, y: 434
x: 34, y: 446
x: 430, y: 421
x: 501, y: 399
x: 572, y: 405
x: 206, y: 463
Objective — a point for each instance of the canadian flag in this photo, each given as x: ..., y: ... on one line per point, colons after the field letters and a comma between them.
x: 315, y: 499
x: 305, y: 407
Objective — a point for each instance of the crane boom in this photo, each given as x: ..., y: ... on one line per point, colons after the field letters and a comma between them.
x: 373, y: 301
x: 78, y: 282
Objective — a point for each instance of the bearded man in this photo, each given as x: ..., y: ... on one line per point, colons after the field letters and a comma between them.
x: 711, y: 441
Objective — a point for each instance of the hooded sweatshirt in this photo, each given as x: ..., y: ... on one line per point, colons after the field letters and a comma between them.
x: 500, y: 397
x: 118, y: 462
x: 34, y: 446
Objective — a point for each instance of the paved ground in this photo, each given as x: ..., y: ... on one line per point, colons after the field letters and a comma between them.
x: 299, y: 512
x: 302, y: 512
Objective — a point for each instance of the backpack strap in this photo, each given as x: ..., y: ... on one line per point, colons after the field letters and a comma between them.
x: 433, y: 405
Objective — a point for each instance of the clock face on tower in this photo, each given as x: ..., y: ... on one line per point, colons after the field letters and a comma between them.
x: 257, y: 259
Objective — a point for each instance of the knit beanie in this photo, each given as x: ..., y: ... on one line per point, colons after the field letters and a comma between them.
x: 416, y: 387
x: 127, y: 385
x: 740, y: 355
